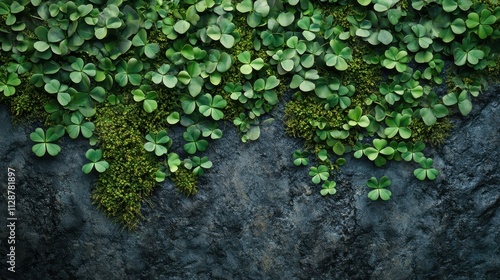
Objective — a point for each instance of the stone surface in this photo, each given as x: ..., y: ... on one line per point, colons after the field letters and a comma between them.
x: 257, y: 216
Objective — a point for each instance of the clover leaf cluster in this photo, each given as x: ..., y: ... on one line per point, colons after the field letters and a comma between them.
x: 382, y: 64
x: 122, y: 74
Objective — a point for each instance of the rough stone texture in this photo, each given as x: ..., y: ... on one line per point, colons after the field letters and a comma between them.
x: 257, y: 216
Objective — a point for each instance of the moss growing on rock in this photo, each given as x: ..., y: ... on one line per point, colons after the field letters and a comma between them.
x: 185, y: 181
x: 130, y: 178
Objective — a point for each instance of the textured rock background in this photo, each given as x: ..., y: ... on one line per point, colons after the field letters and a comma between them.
x: 257, y: 216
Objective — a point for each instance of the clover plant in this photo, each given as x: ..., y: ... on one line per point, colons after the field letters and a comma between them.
x: 356, y: 118
x: 95, y: 157
x: 44, y: 141
x: 194, y: 143
x: 419, y: 39
x: 341, y: 54
x: 305, y: 80
x: 481, y: 22
x: 77, y: 125
x: 160, y: 176
x: 414, y: 151
x: 379, y: 188
x: 210, y: 129
x: 197, y: 164
x: 128, y: 72
x: 318, y: 174
x: 395, y: 58
x: 55, y: 87
x: 328, y: 187
x: 144, y: 47
x: 211, y: 106
x: 223, y: 31
x: 147, y: 97
x: 257, y: 10
x: 173, y: 162
x: 300, y: 158
x: 323, y: 155
x: 433, y: 110
x: 462, y: 99
x: 8, y: 83
x: 426, y: 171
x: 191, y: 78
x: 398, y: 125
x: 20, y: 66
x: 82, y: 71
x: 377, y: 152
x: 248, y: 64
x: 162, y: 76
x: 158, y: 143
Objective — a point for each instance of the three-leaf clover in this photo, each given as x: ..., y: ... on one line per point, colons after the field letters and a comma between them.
x: 414, y: 151
x: 157, y: 143
x: 140, y: 40
x: 160, y: 176
x: 300, y: 158
x: 198, y: 164
x: 426, y: 170
x: 467, y: 52
x: 78, y: 125
x: 482, y: 22
x: 162, y: 76
x: 8, y: 83
x: 356, y: 118
x: 318, y: 174
x: 379, y: 148
x: 341, y: 54
x: 54, y: 86
x: 148, y: 99
x: 95, y: 157
x: 328, y: 187
x: 128, y: 72
x: 211, y: 106
x: 399, y: 124
x: 82, y: 71
x: 395, y: 58
x: 248, y: 64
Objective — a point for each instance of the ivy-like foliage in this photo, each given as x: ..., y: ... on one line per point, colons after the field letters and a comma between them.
x: 363, y: 77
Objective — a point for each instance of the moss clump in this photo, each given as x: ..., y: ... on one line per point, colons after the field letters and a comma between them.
x: 185, y: 181
x: 339, y: 12
x: 25, y: 103
x: 434, y: 135
x: 301, y: 112
x: 130, y: 177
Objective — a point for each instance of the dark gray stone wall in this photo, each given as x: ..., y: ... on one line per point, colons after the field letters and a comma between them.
x: 257, y: 216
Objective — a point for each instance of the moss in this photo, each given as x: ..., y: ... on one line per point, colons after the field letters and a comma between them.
x: 404, y: 4
x: 185, y: 181
x: 493, y: 72
x: 25, y: 103
x: 339, y: 13
x: 491, y: 4
x: 300, y: 113
x: 365, y: 77
x: 130, y: 177
x: 434, y: 135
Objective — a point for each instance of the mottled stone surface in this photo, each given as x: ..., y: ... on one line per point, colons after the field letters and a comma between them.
x: 257, y: 216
